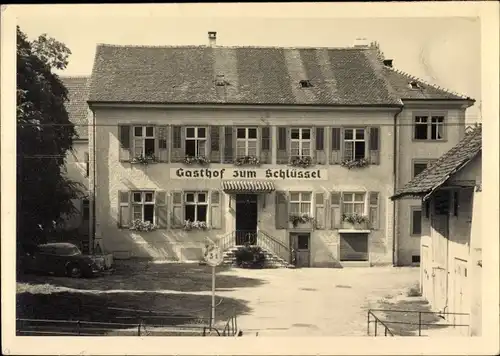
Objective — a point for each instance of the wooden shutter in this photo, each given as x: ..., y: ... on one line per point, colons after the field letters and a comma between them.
x: 282, y: 149
x: 374, y: 145
x: 281, y: 216
x: 215, y: 155
x: 265, y: 145
x: 374, y: 203
x: 124, y: 134
x: 123, y: 208
x: 177, y: 210
x: 161, y: 209
x: 336, y: 209
x: 216, y: 211
x: 336, y: 138
x: 228, y: 144
x: 320, y: 145
x: 162, y: 143
x: 320, y: 215
x: 178, y: 142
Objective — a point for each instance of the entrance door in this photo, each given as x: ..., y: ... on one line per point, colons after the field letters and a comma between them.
x: 246, y: 219
x: 301, y: 250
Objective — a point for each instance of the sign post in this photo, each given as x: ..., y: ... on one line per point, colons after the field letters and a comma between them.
x: 213, y: 256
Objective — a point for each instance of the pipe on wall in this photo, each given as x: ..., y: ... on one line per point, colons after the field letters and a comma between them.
x: 395, y: 185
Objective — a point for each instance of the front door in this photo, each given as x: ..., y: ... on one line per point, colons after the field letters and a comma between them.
x: 246, y: 219
x: 301, y: 249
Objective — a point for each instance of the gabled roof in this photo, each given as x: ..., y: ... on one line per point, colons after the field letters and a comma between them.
x: 447, y: 165
x: 76, y: 106
x: 250, y: 75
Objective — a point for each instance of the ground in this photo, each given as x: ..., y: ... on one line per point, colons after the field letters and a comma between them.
x: 281, y: 302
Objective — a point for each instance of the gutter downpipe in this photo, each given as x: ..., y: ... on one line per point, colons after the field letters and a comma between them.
x: 94, y: 181
x: 395, y: 185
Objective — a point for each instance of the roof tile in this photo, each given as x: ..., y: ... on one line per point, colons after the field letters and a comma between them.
x: 76, y: 106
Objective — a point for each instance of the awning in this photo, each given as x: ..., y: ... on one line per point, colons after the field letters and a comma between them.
x: 250, y: 186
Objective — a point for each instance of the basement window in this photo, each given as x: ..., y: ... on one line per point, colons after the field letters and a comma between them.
x: 415, y: 259
x: 305, y: 83
x: 414, y: 85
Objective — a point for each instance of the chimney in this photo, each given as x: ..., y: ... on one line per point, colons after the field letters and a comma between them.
x: 212, y: 38
x: 361, y: 43
x: 388, y: 62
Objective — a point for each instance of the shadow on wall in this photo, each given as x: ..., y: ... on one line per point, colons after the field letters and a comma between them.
x: 134, y: 276
x: 325, y: 254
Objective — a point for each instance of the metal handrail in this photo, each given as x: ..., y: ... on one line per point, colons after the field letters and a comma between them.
x: 377, y: 321
x: 273, y: 245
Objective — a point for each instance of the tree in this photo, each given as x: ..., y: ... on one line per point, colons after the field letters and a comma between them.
x: 44, y: 136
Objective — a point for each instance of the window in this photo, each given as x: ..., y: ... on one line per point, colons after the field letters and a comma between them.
x: 143, y: 206
x: 414, y: 85
x: 246, y: 142
x: 144, y: 141
x: 300, y: 202
x: 415, y: 259
x: 87, y: 163
x: 85, y: 210
x: 305, y: 83
x: 196, y: 141
x: 429, y: 127
x: 195, y: 206
x: 455, y: 203
x: 353, y: 203
x: 300, y: 142
x: 354, y: 144
x: 416, y: 221
x: 420, y: 165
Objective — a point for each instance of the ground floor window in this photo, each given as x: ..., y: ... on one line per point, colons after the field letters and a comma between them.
x: 416, y: 221
x: 196, y: 206
x: 353, y: 247
x: 143, y: 206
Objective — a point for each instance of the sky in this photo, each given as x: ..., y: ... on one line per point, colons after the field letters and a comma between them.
x: 445, y: 51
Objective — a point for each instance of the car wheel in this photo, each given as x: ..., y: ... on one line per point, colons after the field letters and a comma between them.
x: 74, y: 271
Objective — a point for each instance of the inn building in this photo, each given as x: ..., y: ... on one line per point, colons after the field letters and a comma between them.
x: 297, y: 150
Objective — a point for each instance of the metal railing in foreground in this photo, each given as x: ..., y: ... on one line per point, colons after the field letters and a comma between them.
x: 372, y: 318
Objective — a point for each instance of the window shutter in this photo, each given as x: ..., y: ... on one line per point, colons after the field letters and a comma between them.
x: 282, y: 151
x: 265, y: 146
x: 215, y: 144
x: 125, y: 147
x: 162, y: 142
x: 336, y: 209
x: 177, y: 210
x: 320, y: 145
x: 216, y: 209
x: 161, y: 209
x: 374, y: 145
x: 123, y: 208
x: 336, y: 156
x: 177, y: 153
x: 374, y: 210
x: 281, y: 216
x: 228, y: 144
x: 87, y: 164
x: 320, y: 215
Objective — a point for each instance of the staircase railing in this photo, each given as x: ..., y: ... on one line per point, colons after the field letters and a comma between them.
x: 226, y: 241
x: 273, y: 245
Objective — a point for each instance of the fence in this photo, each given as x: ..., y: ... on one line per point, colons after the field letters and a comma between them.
x: 372, y: 318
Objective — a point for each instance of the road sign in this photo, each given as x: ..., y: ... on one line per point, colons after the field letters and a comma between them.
x: 213, y: 255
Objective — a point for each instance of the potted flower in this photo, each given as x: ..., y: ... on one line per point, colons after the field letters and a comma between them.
x: 250, y: 257
x: 247, y: 160
x: 198, y: 225
x: 355, y: 221
x: 303, y: 219
x: 202, y: 160
x: 301, y: 161
x: 139, y: 225
x: 355, y: 163
x: 144, y: 159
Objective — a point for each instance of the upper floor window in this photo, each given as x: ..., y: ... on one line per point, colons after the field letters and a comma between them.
x: 300, y: 202
x: 421, y: 165
x: 143, y: 206
x: 300, y: 142
x: 144, y: 141
x: 196, y: 141
x: 246, y: 141
x: 353, y: 203
x: 196, y: 206
x: 428, y: 127
x: 354, y: 144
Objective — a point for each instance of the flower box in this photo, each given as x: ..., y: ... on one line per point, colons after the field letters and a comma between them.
x: 356, y: 163
x: 355, y: 222
x: 195, y: 225
x: 354, y: 226
x: 143, y: 159
x: 300, y: 221
x: 201, y: 160
x: 247, y: 160
x: 304, y: 162
x: 139, y: 225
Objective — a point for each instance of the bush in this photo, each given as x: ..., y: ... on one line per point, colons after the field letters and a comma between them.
x: 250, y: 257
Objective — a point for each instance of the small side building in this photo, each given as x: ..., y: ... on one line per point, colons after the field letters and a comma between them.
x: 451, y: 262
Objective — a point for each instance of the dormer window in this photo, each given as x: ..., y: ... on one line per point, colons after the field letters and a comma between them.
x: 220, y: 81
x: 306, y: 83
x: 414, y: 85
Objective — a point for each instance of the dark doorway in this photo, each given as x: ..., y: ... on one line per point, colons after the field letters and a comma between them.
x: 246, y: 219
x: 301, y: 250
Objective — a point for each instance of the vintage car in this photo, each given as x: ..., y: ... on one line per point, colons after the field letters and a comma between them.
x: 61, y: 258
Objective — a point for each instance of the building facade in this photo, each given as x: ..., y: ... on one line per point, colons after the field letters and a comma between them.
x: 451, y: 242
x: 297, y: 149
